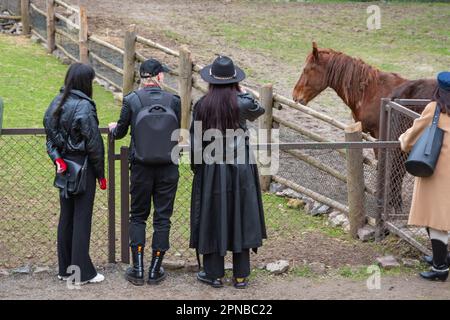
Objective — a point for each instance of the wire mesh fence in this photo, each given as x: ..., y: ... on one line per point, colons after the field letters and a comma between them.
x: 29, y: 205
x: 399, y: 184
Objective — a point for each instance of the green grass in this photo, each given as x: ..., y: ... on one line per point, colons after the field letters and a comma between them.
x: 408, y: 41
x: 30, y: 79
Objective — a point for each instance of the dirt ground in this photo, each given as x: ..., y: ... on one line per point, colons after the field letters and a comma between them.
x: 184, y: 286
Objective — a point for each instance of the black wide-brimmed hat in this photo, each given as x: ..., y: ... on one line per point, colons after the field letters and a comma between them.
x: 222, y: 71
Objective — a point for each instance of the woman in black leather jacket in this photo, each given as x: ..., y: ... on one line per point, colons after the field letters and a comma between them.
x: 71, y: 125
x: 226, y: 206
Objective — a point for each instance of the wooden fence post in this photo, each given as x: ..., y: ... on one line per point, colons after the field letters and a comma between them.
x: 25, y: 12
x: 83, y: 36
x: 129, y: 58
x: 185, y: 87
x: 265, y: 124
x: 51, y: 42
x: 355, y: 180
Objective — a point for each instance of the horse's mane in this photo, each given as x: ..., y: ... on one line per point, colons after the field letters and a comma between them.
x: 351, y: 77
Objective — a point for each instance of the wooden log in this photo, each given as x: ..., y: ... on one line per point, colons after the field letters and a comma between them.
x: 316, y: 114
x: 405, y: 236
x: 106, y: 44
x: 129, y: 60
x: 83, y: 36
x: 69, y: 55
x: 108, y: 81
x: 25, y: 12
x: 66, y: 35
x: 355, y: 180
x: 265, y: 127
x: 106, y: 63
x: 312, y: 194
x: 51, y: 42
x: 41, y: 12
x: 158, y: 46
x: 66, y: 6
x: 6, y: 17
x: 34, y: 32
x: 66, y: 21
x: 185, y: 87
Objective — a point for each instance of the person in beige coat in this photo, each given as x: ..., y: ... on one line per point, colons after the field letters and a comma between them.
x: 431, y: 200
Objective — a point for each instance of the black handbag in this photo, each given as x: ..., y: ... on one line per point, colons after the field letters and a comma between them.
x: 73, y: 181
x: 425, y: 153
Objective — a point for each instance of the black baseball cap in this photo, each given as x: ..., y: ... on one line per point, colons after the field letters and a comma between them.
x: 151, y: 68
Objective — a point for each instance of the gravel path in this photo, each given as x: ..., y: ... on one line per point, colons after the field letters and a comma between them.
x: 184, y: 286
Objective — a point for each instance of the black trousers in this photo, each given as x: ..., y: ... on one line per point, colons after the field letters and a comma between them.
x: 214, y: 265
x: 157, y: 183
x: 74, y: 231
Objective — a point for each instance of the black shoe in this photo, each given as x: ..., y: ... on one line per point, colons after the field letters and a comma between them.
x: 435, y: 274
x: 135, y: 274
x: 215, y: 283
x: 156, y: 273
x: 240, y: 283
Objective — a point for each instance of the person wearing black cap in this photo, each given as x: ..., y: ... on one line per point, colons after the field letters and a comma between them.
x: 153, y: 115
x: 226, y: 206
x: 430, y: 205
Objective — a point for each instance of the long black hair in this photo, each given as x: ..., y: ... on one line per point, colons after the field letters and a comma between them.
x: 442, y: 97
x: 219, y: 107
x: 79, y: 77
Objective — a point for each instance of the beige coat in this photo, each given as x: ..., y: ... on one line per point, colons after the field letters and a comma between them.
x: 431, y: 198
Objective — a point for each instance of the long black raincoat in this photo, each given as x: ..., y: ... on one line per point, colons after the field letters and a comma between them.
x: 226, y: 205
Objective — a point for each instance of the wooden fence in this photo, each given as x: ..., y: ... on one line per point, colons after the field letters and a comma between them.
x: 187, y: 75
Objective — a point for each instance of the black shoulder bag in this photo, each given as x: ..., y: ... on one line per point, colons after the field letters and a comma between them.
x: 73, y: 181
x: 425, y: 153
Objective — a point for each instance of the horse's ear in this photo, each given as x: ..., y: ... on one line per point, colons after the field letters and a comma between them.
x: 315, y: 51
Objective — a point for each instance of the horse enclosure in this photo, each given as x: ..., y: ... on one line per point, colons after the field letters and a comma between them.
x: 342, y: 176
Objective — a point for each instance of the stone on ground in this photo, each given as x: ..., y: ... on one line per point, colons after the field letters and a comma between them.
x: 320, y: 209
x: 173, y: 264
x: 278, y: 267
x: 295, y: 203
x: 388, y: 262
x: 366, y: 233
x: 22, y: 270
x: 39, y: 270
x: 410, y: 263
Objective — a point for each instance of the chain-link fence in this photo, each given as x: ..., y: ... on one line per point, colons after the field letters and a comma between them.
x: 399, y: 184
x: 29, y: 205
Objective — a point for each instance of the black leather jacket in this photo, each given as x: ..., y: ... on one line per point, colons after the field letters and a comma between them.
x: 131, y: 107
x: 85, y: 138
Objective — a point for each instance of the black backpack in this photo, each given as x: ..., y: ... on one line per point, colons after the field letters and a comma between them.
x: 153, y: 127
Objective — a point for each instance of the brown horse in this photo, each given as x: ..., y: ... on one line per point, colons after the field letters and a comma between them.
x: 361, y: 87
x: 358, y: 84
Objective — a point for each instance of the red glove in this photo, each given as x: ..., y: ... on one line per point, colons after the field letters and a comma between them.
x: 61, y: 166
x: 102, y: 183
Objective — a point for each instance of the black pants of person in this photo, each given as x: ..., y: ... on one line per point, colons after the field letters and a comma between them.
x: 74, y: 231
x: 214, y: 265
x: 158, y: 183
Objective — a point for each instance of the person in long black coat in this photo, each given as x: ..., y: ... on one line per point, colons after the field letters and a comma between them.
x: 226, y: 209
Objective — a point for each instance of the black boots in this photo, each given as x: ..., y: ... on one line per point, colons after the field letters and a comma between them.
x: 156, y: 273
x: 135, y: 274
x: 439, y: 270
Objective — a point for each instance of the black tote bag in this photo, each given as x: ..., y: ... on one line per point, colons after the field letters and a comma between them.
x: 425, y: 153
